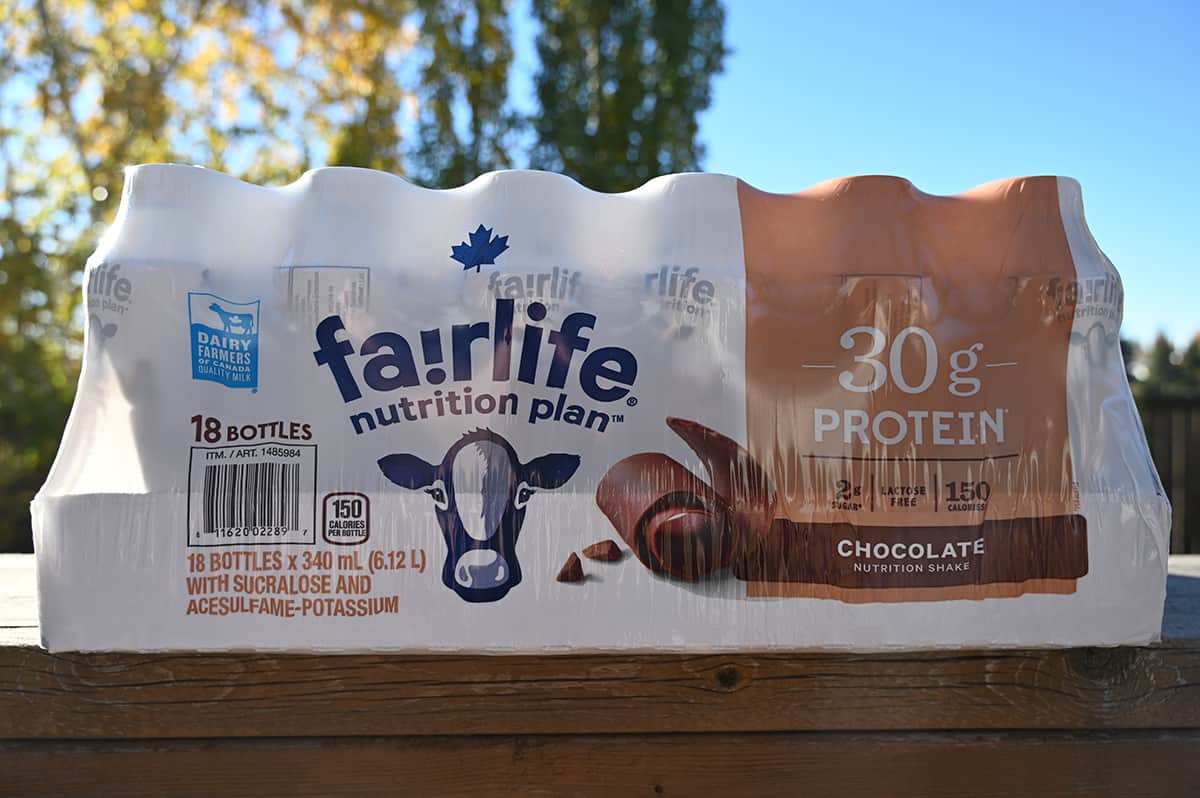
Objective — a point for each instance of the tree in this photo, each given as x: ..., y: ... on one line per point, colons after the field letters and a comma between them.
x: 1163, y: 376
x: 466, y: 125
x: 1189, y: 365
x: 1163, y: 371
x: 265, y: 89
x: 621, y: 85
x: 258, y: 89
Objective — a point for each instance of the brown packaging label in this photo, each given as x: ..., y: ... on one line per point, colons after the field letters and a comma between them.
x: 906, y: 361
x: 843, y: 558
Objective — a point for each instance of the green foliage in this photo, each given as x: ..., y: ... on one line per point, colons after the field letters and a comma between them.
x: 621, y: 85
x: 1162, y: 371
x: 465, y: 125
x: 87, y: 87
x: 38, y: 366
x: 265, y: 89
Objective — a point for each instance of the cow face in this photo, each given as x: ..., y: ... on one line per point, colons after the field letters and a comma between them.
x: 480, y: 491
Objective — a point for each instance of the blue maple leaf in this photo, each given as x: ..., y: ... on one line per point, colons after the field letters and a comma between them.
x: 482, y: 250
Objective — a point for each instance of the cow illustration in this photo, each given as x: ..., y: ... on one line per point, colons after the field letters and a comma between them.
x: 480, y: 490
x: 242, y: 323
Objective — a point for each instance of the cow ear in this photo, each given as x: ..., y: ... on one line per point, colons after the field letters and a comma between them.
x: 551, y: 471
x: 408, y: 471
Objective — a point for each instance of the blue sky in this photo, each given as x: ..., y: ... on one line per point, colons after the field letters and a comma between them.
x: 951, y: 95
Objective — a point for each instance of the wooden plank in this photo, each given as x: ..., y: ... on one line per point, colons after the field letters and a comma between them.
x: 1156, y: 420
x: 96, y: 696
x: 980, y: 765
x: 1192, y: 481
x: 1162, y: 449
x: 1180, y: 434
x: 252, y: 695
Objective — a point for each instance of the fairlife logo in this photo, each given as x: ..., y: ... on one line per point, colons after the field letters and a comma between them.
x: 426, y: 369
x: 435, y: 373
x: 224, y: 340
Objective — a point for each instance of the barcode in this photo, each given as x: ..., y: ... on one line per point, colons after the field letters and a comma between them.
x: 242, y: 495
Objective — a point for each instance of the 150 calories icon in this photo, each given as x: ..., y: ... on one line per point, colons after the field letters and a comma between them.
x: 346, y: 519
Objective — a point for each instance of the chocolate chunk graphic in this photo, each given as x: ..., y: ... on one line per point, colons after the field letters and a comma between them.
x: 605, y: 551
x: 572, y: 570
x: 675, y: 522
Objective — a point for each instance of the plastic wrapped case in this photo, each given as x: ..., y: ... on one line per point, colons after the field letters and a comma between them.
x: 352, y: 413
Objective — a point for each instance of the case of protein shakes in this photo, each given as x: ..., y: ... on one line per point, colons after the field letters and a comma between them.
x: 519, y: 415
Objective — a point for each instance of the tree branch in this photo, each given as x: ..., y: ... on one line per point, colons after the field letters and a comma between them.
x: 66, y: 119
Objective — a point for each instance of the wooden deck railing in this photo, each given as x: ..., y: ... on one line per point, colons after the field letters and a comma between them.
x: 1120, y: 721
x: 1173, y: 429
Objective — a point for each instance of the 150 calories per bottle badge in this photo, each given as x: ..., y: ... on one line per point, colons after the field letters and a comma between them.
x: 224, y: 340
x: 252, y: 494
x: 346, y: 518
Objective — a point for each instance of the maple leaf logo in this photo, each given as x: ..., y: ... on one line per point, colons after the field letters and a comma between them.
x: 482, y: 250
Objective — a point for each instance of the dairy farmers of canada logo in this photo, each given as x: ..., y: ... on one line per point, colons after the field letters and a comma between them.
x: 482, y: 250
x: 224, y: 340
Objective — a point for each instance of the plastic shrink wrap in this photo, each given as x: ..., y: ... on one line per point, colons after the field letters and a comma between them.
x: 351, y: 413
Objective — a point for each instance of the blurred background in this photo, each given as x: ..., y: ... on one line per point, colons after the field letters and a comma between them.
x: 782, y: 94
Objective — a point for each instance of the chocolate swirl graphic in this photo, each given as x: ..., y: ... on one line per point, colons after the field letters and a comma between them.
x: 675, y: 522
